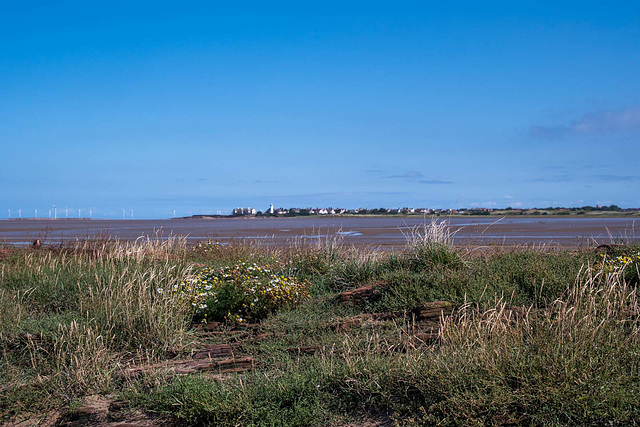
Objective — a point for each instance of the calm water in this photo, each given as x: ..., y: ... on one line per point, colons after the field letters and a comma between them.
x: 382, y: 231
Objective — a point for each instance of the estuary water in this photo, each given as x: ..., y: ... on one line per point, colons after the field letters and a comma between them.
x: 381, y: 232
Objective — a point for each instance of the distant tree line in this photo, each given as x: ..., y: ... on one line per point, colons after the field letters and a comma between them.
x: 551, y: 210
x: 605, y: 208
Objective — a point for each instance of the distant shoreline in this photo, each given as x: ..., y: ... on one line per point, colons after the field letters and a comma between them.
x: 495, y: 214
x: 527, y: 214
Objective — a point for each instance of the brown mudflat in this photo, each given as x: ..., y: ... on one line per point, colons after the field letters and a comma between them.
x: 382, y: 232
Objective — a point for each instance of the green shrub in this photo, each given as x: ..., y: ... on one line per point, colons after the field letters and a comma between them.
x: 433, y: 256
x: 626, y: 264
x: 240, y: 292
x: 430, y: 245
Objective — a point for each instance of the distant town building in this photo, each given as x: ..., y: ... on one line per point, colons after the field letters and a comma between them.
x: 244, y: 211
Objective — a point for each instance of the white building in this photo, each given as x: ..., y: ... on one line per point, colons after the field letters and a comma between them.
x: 244, y: 211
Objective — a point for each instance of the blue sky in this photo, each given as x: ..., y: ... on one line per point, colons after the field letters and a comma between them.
x: 204, y: 106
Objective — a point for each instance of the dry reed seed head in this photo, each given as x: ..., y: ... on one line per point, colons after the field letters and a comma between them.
x: 436, y: 231
x: 82, y: 358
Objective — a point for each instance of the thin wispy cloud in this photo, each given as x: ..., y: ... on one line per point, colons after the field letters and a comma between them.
x: 575, y: 167
x: 374, y: 169
x: 608, y: 121
x: 407, y: 175
x: 363, y: 193
x: 334, y: 194
x: 418, y: 177
x: 554, y: 178
x: 600, y: 177
x: 434, y: 182
x: 487, y: 204
x: 258, y: 181
x: 548, y: 132
x: 556, y: 168
x: 616, y: 178
x: 594, y: 123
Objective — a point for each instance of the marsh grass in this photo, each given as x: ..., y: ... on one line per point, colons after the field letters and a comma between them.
x: 431, y: 244
x: 572, y: 363
x: 70, y: 315
x: 568, y: 363
x: 539, y: 336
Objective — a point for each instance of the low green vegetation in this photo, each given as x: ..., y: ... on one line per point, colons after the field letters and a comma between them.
x: 324, y: 334
x: 240, y: 292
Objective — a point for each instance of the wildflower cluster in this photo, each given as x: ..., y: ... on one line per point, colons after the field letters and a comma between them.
x: 208, y: 246
x: 241, y: 292
x: 625, y: 264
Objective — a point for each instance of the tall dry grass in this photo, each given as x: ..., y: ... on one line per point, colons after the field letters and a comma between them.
x: 566, y: 354
x: 436, y: 231
x: 69, y: 318
x: 431, y: 244
x: 574, y: 361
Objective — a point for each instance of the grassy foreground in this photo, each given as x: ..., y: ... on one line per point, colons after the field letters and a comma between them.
x: 321, y: 335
